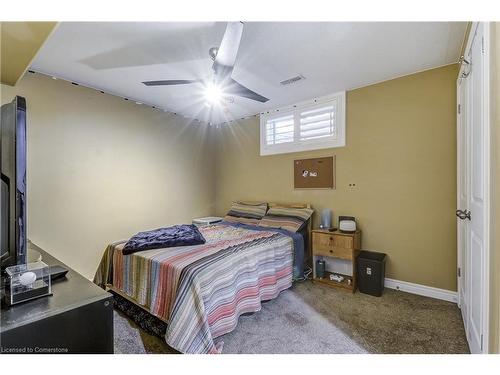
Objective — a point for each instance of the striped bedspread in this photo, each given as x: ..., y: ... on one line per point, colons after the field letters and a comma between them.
x: 202, y: 290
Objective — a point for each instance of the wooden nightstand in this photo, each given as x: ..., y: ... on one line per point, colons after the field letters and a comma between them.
x: 339, y: 245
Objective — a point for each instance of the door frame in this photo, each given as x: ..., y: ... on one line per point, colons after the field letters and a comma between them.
x: 486, y: 173
x: 462, y: 147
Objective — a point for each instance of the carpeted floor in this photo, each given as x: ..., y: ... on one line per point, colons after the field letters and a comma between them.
x: 311, y: 318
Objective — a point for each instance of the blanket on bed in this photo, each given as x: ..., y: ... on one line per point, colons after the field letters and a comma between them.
x: 298, y: 245
x: 202, y: 290
x: 177, y: 235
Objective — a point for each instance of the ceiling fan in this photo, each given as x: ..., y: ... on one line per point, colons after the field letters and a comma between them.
x: 224, y: 58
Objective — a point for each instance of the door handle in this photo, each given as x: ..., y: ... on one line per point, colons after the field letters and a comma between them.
x: 463, y: 214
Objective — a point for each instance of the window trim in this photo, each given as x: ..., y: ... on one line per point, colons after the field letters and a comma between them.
x: 311, y: 144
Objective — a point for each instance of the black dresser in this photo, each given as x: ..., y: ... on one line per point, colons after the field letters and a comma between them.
x: 77, y: 318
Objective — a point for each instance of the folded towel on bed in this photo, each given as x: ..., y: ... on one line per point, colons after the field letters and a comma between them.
x: 177, y: 235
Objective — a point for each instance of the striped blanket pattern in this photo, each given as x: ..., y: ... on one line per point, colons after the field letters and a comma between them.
x: 202, y: 290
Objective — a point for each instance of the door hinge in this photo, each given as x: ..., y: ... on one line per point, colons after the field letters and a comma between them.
x: 459, y: 272
x: 481, y: 342
x: 459, y: 109
x: 482, y: 45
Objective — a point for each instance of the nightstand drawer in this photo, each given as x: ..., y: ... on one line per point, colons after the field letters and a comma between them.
x: 327, y: 241
x: 337, y: 252
x: 333, y: 245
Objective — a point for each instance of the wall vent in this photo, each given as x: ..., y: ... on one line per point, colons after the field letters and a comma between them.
x: 295, y: 79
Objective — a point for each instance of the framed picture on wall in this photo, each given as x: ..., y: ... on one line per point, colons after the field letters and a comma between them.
x: 315, y: 173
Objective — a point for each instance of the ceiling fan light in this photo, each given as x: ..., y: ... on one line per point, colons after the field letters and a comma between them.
x: 213, y: 93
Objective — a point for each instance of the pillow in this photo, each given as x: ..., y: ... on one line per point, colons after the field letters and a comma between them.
x: 255, y: 211
x: 243, y: 220
x: 291, y: 219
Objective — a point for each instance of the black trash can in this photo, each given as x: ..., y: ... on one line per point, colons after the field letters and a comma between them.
x: 371, y: 272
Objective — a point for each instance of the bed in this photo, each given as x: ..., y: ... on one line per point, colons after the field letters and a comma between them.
x: 201, y: 290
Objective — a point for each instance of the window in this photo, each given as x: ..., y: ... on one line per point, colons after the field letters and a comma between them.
x: 279, y: 130
x: 308, y: 126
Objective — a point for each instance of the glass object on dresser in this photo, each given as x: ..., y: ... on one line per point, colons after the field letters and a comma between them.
x: 27, y: 281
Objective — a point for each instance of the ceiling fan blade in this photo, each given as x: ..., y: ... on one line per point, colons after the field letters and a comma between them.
x: 236, y: 88
x: 170, y: 82
x: 228, y: 49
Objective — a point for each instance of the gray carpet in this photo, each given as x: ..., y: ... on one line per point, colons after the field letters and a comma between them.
x: 311, y: 318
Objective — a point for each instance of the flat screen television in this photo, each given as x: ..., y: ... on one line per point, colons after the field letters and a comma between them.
x: 13, y: 248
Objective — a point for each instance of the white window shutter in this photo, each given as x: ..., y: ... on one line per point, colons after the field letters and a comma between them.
x: 319, y: 122
x: 280, y: 130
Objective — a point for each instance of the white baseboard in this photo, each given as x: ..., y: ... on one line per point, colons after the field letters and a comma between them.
x: 422, y: 290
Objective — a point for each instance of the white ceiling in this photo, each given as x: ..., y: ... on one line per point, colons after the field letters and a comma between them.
x: 336, y: 56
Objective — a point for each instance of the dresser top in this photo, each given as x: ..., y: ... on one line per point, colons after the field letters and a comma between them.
x: 69, y: 292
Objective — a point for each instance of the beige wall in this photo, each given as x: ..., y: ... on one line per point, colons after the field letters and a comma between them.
x: 101, y: 169
x: 19, y: 43
x: 400, y: 153
x: 495, y: 147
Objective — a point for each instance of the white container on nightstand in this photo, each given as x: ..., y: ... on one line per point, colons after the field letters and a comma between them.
x: 203, y: 221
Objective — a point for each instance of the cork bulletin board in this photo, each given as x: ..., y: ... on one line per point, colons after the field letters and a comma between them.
x: 316, y: 173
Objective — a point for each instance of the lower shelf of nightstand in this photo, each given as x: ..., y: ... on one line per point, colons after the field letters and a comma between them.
x: 343, y: 284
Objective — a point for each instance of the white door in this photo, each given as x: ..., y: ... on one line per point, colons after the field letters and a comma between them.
x: 473, y: 190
